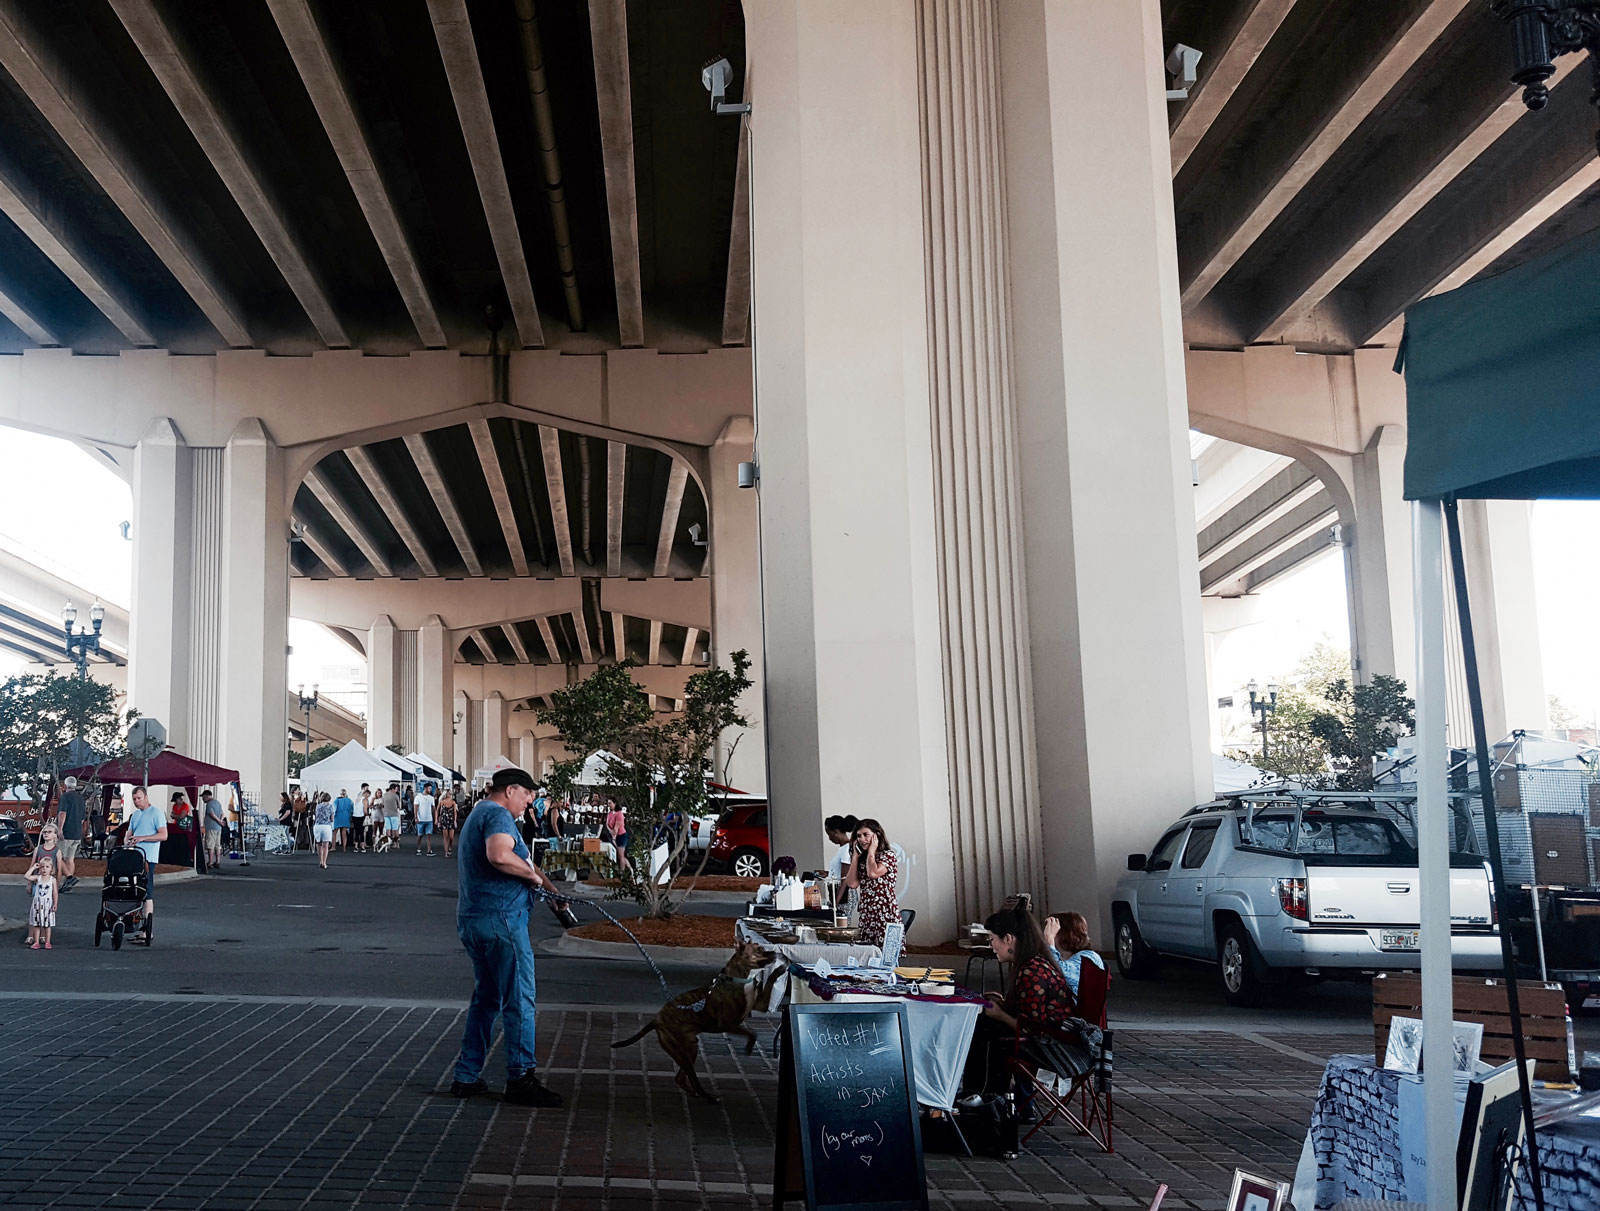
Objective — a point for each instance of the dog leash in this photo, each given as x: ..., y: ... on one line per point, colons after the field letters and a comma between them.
x: 540, y: 893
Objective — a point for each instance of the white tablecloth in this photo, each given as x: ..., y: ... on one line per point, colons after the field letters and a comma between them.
x: 838, y: 954
x: 941, y: 1036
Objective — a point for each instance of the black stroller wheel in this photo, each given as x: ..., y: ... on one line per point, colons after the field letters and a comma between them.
x: 116, y: 936
x: 99, y: 929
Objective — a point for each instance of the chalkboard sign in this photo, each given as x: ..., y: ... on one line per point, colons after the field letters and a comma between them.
x: 847, y: 1111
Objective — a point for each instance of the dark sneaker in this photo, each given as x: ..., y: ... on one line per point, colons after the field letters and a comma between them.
x: 465, y: 1089
x: 72, y: 881
x: 527, y: 1091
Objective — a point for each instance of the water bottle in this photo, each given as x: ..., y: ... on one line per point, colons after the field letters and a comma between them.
x: 563, y: 913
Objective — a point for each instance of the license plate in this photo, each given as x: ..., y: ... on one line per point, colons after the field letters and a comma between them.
x: 1399, y: 939
x: 1592, y: 1002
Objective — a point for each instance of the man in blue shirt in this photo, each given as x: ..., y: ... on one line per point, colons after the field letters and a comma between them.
x: 494, y: 875
x: 147, y: 829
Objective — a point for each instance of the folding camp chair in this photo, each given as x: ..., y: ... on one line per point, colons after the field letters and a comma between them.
x: 1089, y: 1085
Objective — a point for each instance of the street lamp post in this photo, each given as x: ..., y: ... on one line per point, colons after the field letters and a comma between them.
x: 81, y: 643
x: 1263, y: 706
x: 307, y: 705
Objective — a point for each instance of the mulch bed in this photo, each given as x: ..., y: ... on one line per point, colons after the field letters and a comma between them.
x: 702, y: 883
x: 86, y: 868
x: 682, y: 930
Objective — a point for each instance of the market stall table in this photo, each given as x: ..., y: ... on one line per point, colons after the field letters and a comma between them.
x: 941, y: 1029
x: 837, y: 954
x: 1366, y: 1141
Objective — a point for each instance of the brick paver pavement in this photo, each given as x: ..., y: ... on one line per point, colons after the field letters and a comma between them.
x: 294, y: 1105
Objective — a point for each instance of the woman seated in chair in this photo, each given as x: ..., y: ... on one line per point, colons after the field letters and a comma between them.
x: 1037, y: 997
x: 1074, y: 950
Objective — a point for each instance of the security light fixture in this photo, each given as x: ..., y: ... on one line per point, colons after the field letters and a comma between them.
x: 694, y: 535
x: 1182, y: 70
x: 1542, y: 31
x: 715, y: 76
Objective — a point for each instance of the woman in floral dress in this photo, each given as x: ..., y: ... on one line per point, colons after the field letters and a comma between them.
x: 445, y: 816
x: 872, y: 872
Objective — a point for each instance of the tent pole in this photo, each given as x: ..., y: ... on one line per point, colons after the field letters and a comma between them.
x: 1433, y: 856
x: 1491, y: 828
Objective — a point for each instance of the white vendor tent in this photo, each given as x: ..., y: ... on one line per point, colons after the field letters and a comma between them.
x: 348, y: 769
x: 1228, y: 775
x: 484, y: 772
x: 597, y: 767
x: 431, y: 768
x: 405, y: 768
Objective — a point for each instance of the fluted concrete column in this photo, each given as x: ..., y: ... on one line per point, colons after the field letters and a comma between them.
x: 383, y: 683
x: 855, y: 689
x: 1108, y: 509
x: 527, y: 754
x: 736, y: 598
x: 1378, y: 562
x: 158, y: 617
x: 435, y: 688
x: 462, y: 723
x: 255, y: 610
x: 494, y: 738
x: 1498, y: 548
x: 982, y: 593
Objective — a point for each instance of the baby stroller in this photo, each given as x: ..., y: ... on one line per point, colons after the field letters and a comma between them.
x: 127, y: 884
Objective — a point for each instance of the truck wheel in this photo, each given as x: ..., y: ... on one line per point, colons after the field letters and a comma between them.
x: 749, y: 863
x: 1135, y: 960
x: 1239, y: 965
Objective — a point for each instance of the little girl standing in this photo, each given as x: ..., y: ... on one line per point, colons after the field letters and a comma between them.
x: 46, y: 897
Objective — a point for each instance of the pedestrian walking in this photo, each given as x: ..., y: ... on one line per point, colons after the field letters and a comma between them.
x: 361, y: 816
x: 147, y: 830
x: 495, y: 874
x: 391, y: 815
x: 344, y: 812
x: 424, y: 805
x: 70, y: 814
x: 446, y: 817
x: 43, y: 878
x: 214, y: 817
x: 322, y: 827
x: 616, y: 831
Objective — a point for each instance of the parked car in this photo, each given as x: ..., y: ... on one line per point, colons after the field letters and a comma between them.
x: 1273, y: 887
x: 13, y: 841
x: 739, y: 840
x: 701, y: 828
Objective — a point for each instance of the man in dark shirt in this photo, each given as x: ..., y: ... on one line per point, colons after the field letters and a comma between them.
x: 494, y: 875
x: 70, y: 813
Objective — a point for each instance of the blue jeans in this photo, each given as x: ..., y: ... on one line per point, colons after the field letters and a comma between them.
x: 502, y: 968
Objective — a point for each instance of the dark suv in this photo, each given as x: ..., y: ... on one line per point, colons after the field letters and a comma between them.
x: 13, y: 841
x: 740, y: 841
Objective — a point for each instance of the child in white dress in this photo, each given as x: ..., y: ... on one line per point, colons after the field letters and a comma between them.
x: 42, y: 877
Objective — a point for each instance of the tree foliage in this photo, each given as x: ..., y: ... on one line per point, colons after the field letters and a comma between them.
x: 298, y: 759
x: 1364, y: 722
x: 41, y: 715
x: 658, y: 767
x: 1295, y: 750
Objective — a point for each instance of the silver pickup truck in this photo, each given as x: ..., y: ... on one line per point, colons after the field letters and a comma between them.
x: 1273, y: 887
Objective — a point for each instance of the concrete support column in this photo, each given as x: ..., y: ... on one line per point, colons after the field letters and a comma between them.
x: 462, y: 722
x: 982, y: 593
x: 255, y: 610
x: 527, y: 754
x: 1113, y: 582
x: 383, y: 683
x: 435, y: 688
x: 848, y: 531
x: 736, y: 598
x: 1498, y: 548
x: 1222, y: 616
x: 1378, y: 562
x: 158, y: 618
x: 495, y: 735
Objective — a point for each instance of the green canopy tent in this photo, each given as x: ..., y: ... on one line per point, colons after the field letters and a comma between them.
x: 1502, y: 402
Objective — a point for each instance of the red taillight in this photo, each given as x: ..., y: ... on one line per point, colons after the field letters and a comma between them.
x: 694, y: 828
x: 1292, y: 897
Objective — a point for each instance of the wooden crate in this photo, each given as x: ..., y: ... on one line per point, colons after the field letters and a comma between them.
x: 1544, y: 1017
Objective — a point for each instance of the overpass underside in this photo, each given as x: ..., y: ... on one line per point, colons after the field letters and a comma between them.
x: 432, y: 322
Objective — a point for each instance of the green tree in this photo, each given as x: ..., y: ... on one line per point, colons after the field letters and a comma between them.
x: 1563, y: 716
x: 1294, y: 749
x: 1319, y: 668
x: 298, y: 759
x: 41, y: 715
x: 659, y: 767
x: 1365, y: 721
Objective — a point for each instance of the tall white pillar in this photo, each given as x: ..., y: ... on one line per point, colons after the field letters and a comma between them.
x: 159, y: 613
x: 383, y: 682
x: 255, y: 610
x: 736, y: 598
x: 527, y: 754
x: 462, y: 722
x: 435, y: 688
x: 1498, y: 548
x: 1378, y: 563
x: 855, y: 710
x: 982, y: 592
x: 1113, y: 582
x: 494, y: 737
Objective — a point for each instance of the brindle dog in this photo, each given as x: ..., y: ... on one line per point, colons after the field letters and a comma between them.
x: 719, y: 1007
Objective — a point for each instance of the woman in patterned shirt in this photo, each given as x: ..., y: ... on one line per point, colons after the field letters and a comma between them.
x: 1038, y: 994
x: 872, y: 873
x: 445, y: 816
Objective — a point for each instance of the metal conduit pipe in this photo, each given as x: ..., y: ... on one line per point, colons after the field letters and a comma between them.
x: 549, y: 157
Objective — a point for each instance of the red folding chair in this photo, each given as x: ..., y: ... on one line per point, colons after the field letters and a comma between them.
x: 1086, y: 1103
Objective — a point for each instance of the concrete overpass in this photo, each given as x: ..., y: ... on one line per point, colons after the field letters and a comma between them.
x: 248, y: 251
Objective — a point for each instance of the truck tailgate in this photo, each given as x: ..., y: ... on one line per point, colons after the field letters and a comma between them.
x: 1389, y: 895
